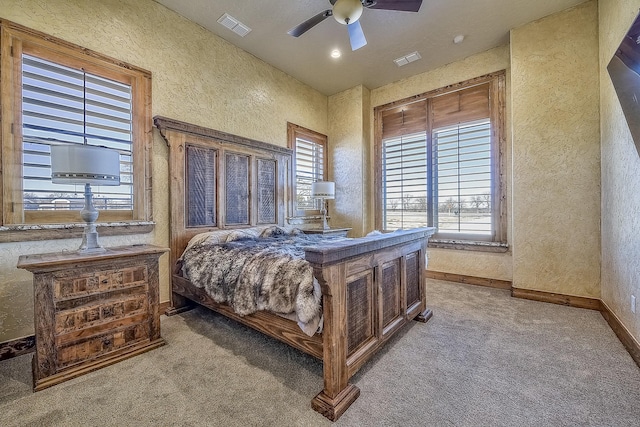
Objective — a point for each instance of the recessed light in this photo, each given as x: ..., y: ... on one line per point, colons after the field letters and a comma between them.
x: 335, y: 53
x: 458, y: 39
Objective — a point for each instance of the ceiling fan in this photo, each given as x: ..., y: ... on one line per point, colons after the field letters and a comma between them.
x: 348, y: 12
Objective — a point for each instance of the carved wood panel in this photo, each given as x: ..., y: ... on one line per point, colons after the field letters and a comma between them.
x: 267, y: 196
x: 360, y: 311
x: 413, y: 278
x: 237, y: 189
x: 390, y: 298
x: 201, y: 186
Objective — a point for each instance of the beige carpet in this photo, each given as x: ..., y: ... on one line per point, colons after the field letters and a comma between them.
x: 484, y: 359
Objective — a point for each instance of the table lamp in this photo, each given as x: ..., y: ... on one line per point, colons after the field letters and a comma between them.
x: 86, y: 164
x: 323, y: 190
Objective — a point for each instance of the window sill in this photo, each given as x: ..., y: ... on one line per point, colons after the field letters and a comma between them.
x: 468, y: 245
x: 30, y: 232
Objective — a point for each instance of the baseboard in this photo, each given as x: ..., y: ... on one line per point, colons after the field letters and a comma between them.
x: 569, y: 300
x: 623, y: 334
x: 17, y: 347
x: 470, y: 280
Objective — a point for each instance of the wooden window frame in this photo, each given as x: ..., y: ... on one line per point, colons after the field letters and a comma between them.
x: 16, y: 39
x: 294, y: 132
x: 497, y: 94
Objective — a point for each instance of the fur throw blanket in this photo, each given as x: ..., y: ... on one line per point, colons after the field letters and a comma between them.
x: 252, y: 274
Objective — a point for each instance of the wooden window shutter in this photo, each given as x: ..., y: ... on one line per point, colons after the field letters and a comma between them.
x: 404, y: 120
x: 462, y: 106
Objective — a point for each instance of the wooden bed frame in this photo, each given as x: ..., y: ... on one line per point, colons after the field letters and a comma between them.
x: 371, y: 286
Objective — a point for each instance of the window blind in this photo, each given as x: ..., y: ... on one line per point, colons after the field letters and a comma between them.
x: 404, y: 179
x: 53, y: 113
x: 462, y: 178
x: 309, y: 169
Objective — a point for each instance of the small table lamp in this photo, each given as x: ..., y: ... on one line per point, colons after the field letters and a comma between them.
x: 86, y: 164
x: 323, y: 190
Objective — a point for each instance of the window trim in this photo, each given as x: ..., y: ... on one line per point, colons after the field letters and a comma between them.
x: 497, y: 95
x: 14, y: 39
x: 294, y: 132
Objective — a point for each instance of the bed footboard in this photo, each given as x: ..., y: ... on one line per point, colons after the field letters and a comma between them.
x: 371, y: 288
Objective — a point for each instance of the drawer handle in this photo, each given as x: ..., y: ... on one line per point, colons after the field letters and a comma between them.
x: 106, y: 341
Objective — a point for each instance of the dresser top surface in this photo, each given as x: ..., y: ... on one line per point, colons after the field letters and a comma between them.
x: 38, y: 261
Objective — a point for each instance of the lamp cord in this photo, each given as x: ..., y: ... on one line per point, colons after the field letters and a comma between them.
x: 84, y: 105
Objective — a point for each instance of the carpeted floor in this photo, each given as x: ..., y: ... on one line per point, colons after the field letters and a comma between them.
x: 484, y: 359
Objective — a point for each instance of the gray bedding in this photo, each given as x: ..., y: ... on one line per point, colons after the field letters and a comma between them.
x: 258, y: 273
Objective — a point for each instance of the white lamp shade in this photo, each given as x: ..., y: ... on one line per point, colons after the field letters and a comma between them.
x: 323, y: 190
x: 347, y: 11
x: 84, y: 164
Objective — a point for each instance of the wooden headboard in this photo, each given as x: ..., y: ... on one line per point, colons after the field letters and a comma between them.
x: 222, y: 181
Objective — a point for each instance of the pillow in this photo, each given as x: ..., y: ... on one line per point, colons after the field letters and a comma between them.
x: 274, y: 231
x: 293, y: 231
x: 211, y: 237
x: 246, y: 233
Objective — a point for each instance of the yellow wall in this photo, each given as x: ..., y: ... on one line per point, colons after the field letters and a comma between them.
x: 197, y: 77
x: 349, y: 159
x: 620, y: 177
x: 556, y: 153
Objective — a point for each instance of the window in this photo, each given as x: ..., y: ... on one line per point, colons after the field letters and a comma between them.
x: 439, y: 163
x: 60, y: 93
x: 310, y: 164
x: 53, y: 106
x: 462, y: 179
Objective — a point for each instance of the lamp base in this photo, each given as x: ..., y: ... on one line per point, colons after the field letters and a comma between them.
x: 89, y: 214
x: 90, y: 244
x: 325, y: 224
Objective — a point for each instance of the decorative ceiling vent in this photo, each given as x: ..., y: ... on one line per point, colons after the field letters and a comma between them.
x: 234, y: 25
x: 404, y: 60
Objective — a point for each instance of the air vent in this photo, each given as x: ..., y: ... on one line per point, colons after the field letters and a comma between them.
x: 234, y: 25
x: 404, y: 60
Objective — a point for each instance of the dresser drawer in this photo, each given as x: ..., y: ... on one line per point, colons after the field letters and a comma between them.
x: 101, y: 345
x: 101, y: 312
x: 69, y: 285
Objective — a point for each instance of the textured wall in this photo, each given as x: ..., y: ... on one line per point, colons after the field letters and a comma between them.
x: 620, y: 177
x: 469, y: 263
x: 476, y: 65
x: 556, y: 153
x: 349, y: 160
x: 197, y: 77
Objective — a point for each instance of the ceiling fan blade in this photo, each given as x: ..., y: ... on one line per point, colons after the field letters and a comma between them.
x: 299, y: 30
x: 356, y: 35
x: 401, y: 5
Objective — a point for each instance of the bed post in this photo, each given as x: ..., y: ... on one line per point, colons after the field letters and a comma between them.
x: 338, y: 394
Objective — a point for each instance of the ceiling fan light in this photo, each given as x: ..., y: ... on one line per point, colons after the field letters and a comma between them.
x: 347, y: 11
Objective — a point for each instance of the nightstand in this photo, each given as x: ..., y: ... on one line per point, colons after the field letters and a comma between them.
x: 332, y: 232
x: 92, y: 310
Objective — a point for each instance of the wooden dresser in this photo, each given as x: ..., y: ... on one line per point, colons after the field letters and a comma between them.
x: 92, y: 310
